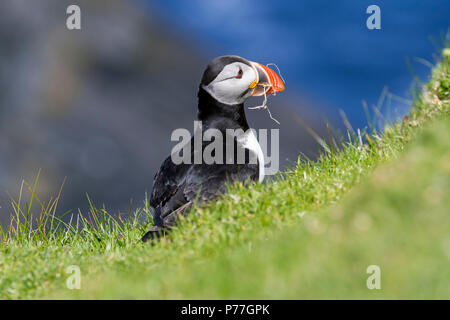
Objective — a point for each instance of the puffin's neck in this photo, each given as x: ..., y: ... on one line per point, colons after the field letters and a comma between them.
x: 209, y: 110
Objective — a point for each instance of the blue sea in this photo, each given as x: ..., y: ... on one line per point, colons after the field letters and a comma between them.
x: 324, y: 49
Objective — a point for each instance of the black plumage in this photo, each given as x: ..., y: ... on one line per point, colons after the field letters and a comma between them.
x: 177, y: 186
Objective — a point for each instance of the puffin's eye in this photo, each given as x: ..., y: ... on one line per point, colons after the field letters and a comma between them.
x: 240, y: 73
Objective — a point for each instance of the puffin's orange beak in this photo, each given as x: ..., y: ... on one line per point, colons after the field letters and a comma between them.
x: 267, y: 81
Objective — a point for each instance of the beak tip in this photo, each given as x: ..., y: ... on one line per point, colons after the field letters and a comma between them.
x: 270, y: 77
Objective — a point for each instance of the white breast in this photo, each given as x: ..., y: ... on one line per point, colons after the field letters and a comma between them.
x: 249, y: 141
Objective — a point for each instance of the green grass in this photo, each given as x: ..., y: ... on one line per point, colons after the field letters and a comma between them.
x: 310, y: 233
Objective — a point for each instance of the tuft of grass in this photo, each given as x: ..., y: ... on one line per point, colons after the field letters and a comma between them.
x: 311, y: 232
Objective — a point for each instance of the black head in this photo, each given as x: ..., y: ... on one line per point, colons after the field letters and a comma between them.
x: 232, y: 79
x: 216, y: 66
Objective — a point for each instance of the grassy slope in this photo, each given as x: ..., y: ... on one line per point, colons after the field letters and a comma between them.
x: 301, y: 236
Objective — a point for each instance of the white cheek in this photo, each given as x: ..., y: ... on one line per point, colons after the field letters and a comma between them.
x: 231, y: 91
x: 223, y: 92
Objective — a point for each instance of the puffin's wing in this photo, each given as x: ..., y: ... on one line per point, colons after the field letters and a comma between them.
x: 199, y: 183
x: 167, y: 182
x: 205, y: 182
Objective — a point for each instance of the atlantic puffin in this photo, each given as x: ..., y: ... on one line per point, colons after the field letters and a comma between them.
x: 227, y: 83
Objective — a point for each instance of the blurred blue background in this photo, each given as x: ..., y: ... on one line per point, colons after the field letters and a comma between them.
x: 324, y: 49
x: 97, y: 106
